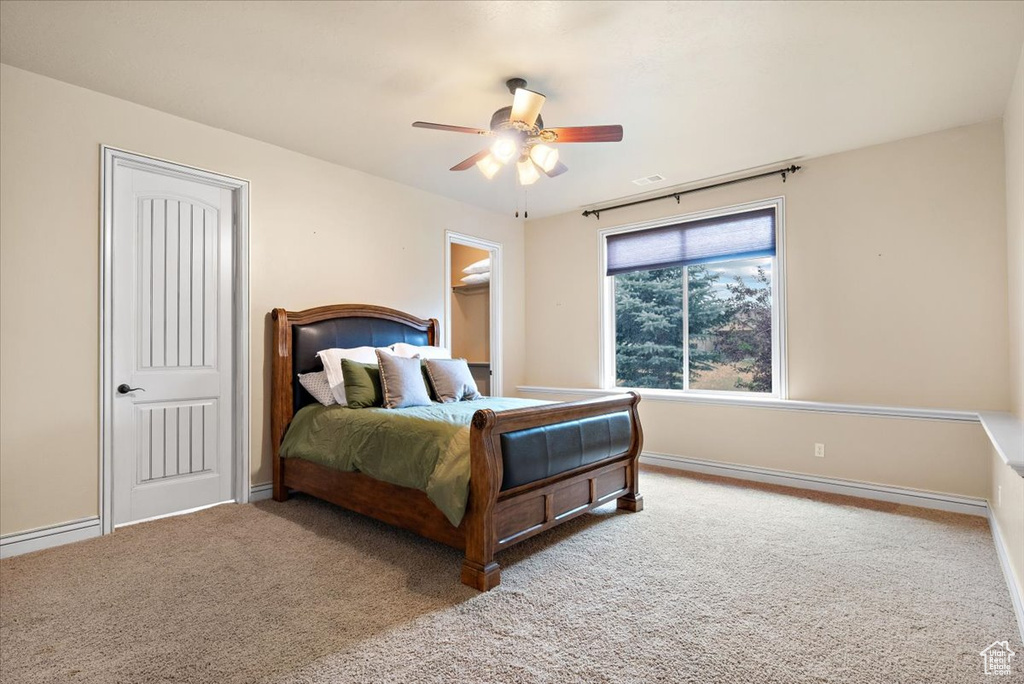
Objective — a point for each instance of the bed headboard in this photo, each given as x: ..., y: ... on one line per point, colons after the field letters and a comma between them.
x: 299, y: 335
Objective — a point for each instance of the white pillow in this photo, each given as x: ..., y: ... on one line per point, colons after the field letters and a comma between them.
x: 331, y: 358
x: 318, y: 386
x: 482, y: 266
x: 477, y: 279
x: 411, y: 351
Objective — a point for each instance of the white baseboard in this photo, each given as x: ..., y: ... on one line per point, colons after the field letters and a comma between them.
x: 865, y: 490
x: 1004, y: 561
x: 48, y: 537
x: 86, y: 528
x: 261, y: 492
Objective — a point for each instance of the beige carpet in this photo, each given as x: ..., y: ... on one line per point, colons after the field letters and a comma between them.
x: 714, y: 582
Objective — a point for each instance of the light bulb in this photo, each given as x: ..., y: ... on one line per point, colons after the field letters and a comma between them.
x: 504, y: 149
x: 543, y: 156
x: 489, y: 166
x: 527, y: 172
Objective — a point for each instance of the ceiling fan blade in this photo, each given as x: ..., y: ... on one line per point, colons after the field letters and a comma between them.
x: 559, y: 169
x: 468, y: 163
x: 583, y: 134
x: 446, y: 127
x: 526, y: 106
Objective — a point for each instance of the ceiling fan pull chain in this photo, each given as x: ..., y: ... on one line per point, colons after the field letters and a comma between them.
x: 515, y: 191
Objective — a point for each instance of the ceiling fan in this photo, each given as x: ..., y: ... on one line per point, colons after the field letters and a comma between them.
x: 520, y: 134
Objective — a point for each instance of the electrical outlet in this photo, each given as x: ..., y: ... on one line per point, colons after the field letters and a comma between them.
x: 999, y: 495
x: 819, y: 450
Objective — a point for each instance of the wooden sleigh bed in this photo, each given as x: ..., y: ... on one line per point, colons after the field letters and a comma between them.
x: 495, y: 517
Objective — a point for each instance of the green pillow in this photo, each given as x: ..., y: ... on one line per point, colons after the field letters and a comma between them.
x: 362, y: 384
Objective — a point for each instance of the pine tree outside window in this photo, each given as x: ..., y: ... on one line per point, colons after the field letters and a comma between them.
x: 694, y: 304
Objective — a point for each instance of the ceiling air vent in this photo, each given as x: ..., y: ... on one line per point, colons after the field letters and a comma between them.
x: 656, y: 178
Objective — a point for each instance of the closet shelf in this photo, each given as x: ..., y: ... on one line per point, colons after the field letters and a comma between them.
x: 471, y: 289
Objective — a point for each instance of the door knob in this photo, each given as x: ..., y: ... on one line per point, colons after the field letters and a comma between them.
x: 123, y: 388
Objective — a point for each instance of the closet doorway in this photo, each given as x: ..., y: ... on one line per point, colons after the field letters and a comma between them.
x: 473, y: 307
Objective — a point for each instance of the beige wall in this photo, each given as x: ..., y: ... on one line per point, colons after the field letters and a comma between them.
x: 895, y: 273
x: 320, y: 234
x: 1013, y: 131
x: 939, y: 456
x: 896, y: 277
x: 471, y: 311
x: 1007, y: 494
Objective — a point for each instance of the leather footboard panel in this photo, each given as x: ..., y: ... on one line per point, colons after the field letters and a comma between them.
x: 537, y: 453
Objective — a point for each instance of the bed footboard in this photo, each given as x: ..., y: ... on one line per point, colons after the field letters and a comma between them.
x: 537, y: 467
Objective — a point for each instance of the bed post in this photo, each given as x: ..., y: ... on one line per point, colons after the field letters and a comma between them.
x: 479, y: 570
x: 280, y: 395
x: 633, y: 501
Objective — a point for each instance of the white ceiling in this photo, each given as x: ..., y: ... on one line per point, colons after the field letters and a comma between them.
x: 702, y: 89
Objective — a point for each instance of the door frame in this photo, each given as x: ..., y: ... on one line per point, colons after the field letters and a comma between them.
x: 110, y: 158
x: 496, y: 250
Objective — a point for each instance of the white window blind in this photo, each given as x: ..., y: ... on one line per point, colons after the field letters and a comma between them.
x: 736, y: 236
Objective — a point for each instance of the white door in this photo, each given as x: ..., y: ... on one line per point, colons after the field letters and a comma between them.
x: 171, y: 343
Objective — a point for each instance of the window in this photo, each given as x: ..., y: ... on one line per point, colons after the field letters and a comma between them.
x: 694, y: 305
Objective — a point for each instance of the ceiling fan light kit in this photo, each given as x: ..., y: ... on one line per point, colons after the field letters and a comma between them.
x: 521, y: 135
x: 489, y: 166
x: 526, y: 171
x: 544, y: 156
x: 505, y: 149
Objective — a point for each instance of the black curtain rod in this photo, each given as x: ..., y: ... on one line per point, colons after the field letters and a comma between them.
x: 783, y: 172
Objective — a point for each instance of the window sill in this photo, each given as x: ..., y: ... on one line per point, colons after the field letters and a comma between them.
x: 767, y: 403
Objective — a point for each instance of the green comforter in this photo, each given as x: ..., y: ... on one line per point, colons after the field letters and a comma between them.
x: 425, y: 447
